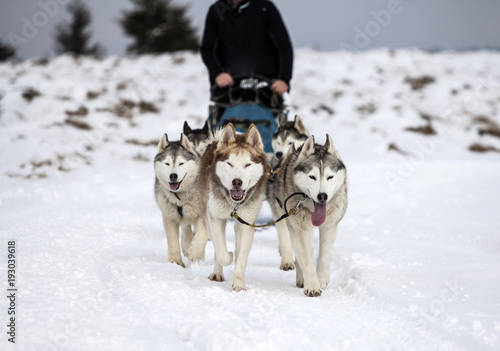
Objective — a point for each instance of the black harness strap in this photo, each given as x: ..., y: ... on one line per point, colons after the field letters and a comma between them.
x: 177, y: 196
x: 179, y: 208
x: 287, y: 213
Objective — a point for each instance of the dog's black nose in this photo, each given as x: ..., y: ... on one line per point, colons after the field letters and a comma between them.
x: 237, y: 183
x: 279, y: 155
x: 322, y: 197
x: 173, y: 177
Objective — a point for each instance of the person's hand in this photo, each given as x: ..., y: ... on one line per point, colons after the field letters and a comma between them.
x: 279, y: 86
x: 224, y: 80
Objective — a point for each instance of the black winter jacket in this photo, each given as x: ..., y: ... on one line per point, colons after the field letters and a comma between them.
x: 249, y: 38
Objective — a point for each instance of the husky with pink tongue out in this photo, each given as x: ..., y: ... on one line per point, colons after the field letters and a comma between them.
x: 177, y: 167
x: 317, y: 172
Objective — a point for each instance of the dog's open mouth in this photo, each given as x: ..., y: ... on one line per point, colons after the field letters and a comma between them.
x: 237, y: 195
x: 174, y: 186
x: 319, y: 215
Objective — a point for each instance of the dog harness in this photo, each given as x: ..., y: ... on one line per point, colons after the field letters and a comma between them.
x: 287, y: 213
x: 179, y: 208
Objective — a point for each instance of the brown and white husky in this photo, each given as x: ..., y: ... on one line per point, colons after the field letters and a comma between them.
x: 233, y: 172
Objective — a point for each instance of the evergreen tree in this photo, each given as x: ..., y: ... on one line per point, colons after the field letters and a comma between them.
x: 74, y: 36
x: 7, y: 51
x: 157, y: 26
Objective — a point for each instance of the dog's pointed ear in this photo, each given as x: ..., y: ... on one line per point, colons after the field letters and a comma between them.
x: 228, y: 134
x: 187, y: 129
x: 300, y: 126
x: 307, y: 149
x: 186, y: 144
x: 205, y: 128
x: 281, y: 119
x: 253, y: 137
x: 330, y: 147
x: 163, y: 143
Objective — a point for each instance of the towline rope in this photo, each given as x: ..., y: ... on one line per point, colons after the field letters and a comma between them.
x: 287, y: 213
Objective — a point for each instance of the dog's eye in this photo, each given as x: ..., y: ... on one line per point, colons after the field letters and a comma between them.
x: 290, y: 143
x: 229, y: 163
x: 330, y: 177
x: 248, y: 165
x: 167, y: 164
x: 312, y: 177
x: 180, y: 164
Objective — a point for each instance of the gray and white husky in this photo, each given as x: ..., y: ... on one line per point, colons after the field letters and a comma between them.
x: 197, y: 137
x: 288, y: 135
x: 177, y: 167
x: 318, y: 172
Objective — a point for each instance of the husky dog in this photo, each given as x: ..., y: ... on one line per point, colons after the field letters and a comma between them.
x: 318, y: 172
x: 197, y: 137
x: 177, y: 166
x: 288, y: 134
x: 233, y: 173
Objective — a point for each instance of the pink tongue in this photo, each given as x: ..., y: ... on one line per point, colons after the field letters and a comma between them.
x: 319, y: 215
x: 237, y: 193
x: 174, y: 186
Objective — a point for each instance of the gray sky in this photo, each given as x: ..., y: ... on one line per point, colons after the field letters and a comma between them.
x: 324, y: 24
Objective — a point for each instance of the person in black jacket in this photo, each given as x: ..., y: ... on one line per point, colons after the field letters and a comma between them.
x: 245, y: 37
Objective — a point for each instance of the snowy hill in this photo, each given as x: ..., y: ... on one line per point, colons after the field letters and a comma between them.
x: 416, y: 262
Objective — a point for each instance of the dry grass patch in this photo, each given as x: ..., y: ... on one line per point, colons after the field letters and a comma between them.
x: 419, y: 83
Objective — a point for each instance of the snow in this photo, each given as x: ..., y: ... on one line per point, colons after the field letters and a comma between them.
x: 416, y: 262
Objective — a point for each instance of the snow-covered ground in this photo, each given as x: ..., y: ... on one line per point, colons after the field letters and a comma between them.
x: 417, y: 262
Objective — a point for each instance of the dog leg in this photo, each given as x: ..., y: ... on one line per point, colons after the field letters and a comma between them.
x: 187, y: 237
x: 174, y: 249
x: 285, y: 246
x: 327, y: 237
x: 244, y: 240
x: 302, y: 245
x: 217, y: 275
x: 299, y: 278
x: 218, y: 236
x: 197, y: 250
x: 237, y: 243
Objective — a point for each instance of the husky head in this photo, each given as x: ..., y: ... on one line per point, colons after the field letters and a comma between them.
x: 319, y: 173
x: 197, y: 137
x: 176, y: 164
x: 240, y: 161
x: 288, y: 134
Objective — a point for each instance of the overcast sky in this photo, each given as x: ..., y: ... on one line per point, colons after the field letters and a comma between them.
x: 323, y: 24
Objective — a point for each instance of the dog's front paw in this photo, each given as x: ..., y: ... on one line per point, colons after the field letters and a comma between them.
x: 177, y: 261
x: 215, y: 277
x: 287, y: 266
x: 312, y: 292
x: 312, y: 289
x: 225, y: 259
x: 239, y: 286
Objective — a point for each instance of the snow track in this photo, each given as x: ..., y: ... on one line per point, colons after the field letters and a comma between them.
x: 415, y: 264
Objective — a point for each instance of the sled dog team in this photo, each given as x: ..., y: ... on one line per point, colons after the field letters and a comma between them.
x: 206, y: 178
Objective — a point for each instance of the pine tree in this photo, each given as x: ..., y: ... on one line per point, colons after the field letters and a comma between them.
x: 7, y: 51
x: 74, y: 36
x: 157, y: 26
